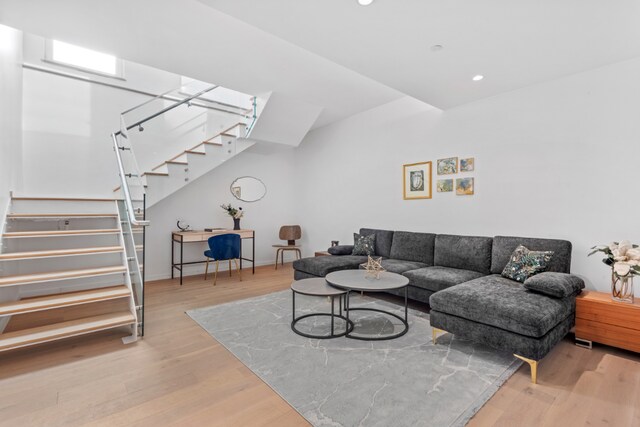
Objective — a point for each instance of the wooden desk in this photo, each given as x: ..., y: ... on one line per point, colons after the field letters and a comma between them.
x: 602, y: 320
x: 199, y: 236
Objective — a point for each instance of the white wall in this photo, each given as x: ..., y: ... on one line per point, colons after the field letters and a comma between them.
x: 10, y: 130
x: 10, y: 113
x: 558, y: 160
x: 198, y: 205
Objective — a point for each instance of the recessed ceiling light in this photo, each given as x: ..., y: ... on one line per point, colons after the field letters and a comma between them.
x: 365, y: 2
x: 436, y: 47
x: 477, y: 78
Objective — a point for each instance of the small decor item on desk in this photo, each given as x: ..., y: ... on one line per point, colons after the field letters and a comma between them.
x: 183, y: 227
x: 624, y: 259
x: 234, y: 213
x: 335, y: 242
x: 373, y: 267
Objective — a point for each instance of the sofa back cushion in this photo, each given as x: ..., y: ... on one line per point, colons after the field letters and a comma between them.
x: 413, y: 246
x: 503, y: 247
x: 464, y: 252
x: 384, y: 239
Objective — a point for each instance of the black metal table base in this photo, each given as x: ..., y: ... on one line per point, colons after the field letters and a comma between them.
x: 332, y: 334
x: 384, y: 337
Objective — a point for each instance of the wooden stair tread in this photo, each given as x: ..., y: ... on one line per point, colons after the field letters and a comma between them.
x: 67, y: 329
x: 55, y: 233
x: 61, y: 215
x: 176, y: 162
x: 217, y: 144
x: 63, y: 300
x: 59, y: 275
x: 195, y: 152
x: 59, y: 252
x: 156, y: 173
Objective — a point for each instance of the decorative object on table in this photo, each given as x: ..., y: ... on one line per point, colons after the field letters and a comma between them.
x: 335, y: 242
x: 290, y: 233
x: 464, y: 186
x: 444, y: 185
x: 417, y: 180
x: 223, y: 247
x: 210, y: 229
x: 234, y: 213
x: 364, y: 245
x: 624, y: 259
x: 467, y: 165
x: 248, y: 189
x: 525, y: 263
x: 448, y: 166
x: 183, y: 227
x: 373, y: 267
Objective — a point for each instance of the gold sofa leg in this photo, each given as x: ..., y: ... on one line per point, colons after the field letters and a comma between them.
x: 435, y: 332
x: 533, y: 364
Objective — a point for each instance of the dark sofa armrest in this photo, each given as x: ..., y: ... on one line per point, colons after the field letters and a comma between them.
x: 341, y: 250
x: 556, y: 285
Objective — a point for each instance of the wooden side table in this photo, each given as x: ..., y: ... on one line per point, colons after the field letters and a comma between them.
x: 322, y: 253
x: 602, y: 320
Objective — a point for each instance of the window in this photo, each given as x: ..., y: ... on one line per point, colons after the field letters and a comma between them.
x: 83, y: 59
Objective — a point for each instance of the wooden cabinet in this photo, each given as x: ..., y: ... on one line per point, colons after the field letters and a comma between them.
x: 602, y: 320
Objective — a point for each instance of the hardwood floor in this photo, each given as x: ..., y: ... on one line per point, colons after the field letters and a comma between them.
x: 178, y: 375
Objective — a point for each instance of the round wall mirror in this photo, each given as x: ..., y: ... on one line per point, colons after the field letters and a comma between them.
x: 248, y: 189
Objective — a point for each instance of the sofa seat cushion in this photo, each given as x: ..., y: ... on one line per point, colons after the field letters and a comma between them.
x: 505, y: 304
x: 400, y: 266
x: 322, y: 265
x: 438, y: 278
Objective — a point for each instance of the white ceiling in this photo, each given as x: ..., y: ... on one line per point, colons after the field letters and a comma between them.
x: 189, y: 38
x: 513, y: 43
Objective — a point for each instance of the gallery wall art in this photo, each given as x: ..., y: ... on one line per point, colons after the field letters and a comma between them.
x: 416, y: 180
x: 444, y: 185
x: 464, y: 186
x: 448, y: 166
x: 467, y: 165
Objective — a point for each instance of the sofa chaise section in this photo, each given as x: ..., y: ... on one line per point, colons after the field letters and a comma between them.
x: 502, y: 312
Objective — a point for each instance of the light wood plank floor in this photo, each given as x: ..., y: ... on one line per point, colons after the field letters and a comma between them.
x: 178, y: 375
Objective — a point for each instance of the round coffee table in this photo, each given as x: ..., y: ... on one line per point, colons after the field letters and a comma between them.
x: 319, y: 288
x: 357, y: 280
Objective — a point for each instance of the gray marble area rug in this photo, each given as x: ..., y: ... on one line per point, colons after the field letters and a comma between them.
x: 407, y: 381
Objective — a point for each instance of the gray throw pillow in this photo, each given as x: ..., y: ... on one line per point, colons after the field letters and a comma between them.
x: 340, y: 250
x: 364, y: 245
x: 557, y: 285
x: 524, y: 263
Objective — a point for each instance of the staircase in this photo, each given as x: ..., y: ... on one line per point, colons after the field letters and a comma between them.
x: 190, y: 162
x: 69, y: 267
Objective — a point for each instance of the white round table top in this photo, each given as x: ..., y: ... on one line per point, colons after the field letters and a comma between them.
x: 357, y: 280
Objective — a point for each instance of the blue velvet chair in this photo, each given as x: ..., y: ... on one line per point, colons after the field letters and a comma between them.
x: 222, y: 248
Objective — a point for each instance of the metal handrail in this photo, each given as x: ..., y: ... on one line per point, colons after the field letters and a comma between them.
x: 125, y: 186
x: 164, y: 110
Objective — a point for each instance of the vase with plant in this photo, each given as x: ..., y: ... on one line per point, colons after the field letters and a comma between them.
x: 235, y: 213
x: 624, y: 259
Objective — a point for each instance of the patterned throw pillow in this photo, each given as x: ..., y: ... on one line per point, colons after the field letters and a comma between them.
x: 525, y: 263
x: 364, y: 245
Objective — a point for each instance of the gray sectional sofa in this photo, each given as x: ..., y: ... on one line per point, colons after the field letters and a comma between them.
x: 459, y: 277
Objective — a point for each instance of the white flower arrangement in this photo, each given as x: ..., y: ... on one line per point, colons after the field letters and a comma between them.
x: 622, y: 257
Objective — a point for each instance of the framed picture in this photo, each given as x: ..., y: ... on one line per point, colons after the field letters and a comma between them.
x: 417, y: 181
x: 444, y: 185
x: 467, y: 165
x: 448, y: 166
x: 464, y: 186
x: 236, y: 191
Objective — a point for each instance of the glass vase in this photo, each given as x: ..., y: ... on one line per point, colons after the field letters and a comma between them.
x: 622, y: 288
